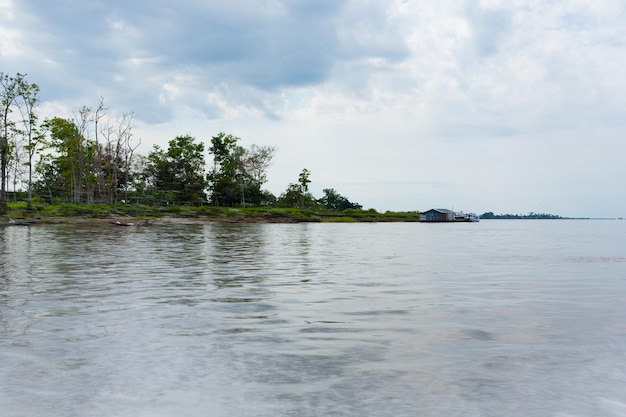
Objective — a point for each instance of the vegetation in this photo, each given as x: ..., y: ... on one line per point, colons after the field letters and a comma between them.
x: 174, y: 176
x: 15, y: 93
x: 66, y: 212
x: 88, y: 166
x: 334, y: 201
x: 531, y: 215
x: 238, y: 173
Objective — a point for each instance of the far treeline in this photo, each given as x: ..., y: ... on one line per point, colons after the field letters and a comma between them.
x: 92, y: 159
x: 531, y: 215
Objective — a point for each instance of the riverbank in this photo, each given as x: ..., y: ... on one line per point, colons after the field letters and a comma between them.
x: 137, y: 214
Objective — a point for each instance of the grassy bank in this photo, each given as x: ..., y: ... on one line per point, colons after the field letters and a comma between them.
x: 65, y: 213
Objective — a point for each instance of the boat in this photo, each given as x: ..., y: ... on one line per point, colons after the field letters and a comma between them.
x: 466, y: 217
x: 18, y: 223
x: 119, y: 223
x: 447, y: 216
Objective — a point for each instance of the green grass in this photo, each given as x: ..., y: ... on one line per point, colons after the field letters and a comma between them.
x: 20, y: 210
x: 339, y: 219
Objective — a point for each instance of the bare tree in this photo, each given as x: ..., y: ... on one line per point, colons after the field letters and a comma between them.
x: 99, y: 114
x: 129, y: 151
x: 85, y: 154
x: 109, y: 163
x: 256, y: 160
x: 118, y: 151
x: 16, y: 165
x: 9, y: 92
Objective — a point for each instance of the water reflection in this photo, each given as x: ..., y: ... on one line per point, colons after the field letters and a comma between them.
x: 236, y: 252
x: 309, y: 320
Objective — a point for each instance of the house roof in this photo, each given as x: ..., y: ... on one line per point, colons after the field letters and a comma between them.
x: 440, y: 210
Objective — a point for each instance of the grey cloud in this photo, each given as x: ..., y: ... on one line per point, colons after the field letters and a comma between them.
x: 294, y: 45
x: 127, y: 50
x: 266, y: 52
x: 489, y: 26
x: 367, y: 31
x: 315, y: 8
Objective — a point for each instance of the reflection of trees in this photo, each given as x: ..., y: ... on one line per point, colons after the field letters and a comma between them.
x: 303, y: 248
x: 243, y: 254
x: 23, y: 261
x: 4, y: 277
x: 15, y: 253
x: 79, y: 251
x: 239, y: 266
x: 180, y: 246
x: 237, y: 254
x: 296, y: 249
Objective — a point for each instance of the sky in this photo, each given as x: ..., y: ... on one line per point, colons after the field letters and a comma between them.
x: 505, y: 106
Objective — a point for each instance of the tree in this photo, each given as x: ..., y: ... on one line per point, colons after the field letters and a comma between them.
x: 178, y: 173
x: 69, y: 165
x: 238, y: 173
x: 334, y: 201
x: 114, y: 160
x: 292, y: 197
x: 129, y: 151
x: 34, y: 136
x: 49, y: 180
x: 9, y: 92
x: 298, y: 195
x: 256, y: 161
x: 304, y: 180
x: 99, y: 114
x: 253, y: 173
x: 83, y: 119
x: 79, y: 169
x: 224, y: 176
x: 15, y: 162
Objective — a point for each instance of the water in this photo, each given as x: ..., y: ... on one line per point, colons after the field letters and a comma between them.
x: 497, y: 318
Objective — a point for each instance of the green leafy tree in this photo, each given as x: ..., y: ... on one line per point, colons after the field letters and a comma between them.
x: 72, y: 167
x: 33, y: 134
x: 49, y: 180
x: 223, y: 178
x: 177, y: 175
x: 298, y: 195
x: 334, y: 201
x: 238, y: 173
x: 67, y: 167
x: 304, y: 179
x: 292, y: 197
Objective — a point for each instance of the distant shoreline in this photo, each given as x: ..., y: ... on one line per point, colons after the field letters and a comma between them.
x: 70, y: 213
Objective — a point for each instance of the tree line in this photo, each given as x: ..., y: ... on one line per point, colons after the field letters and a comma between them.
x: 91, y: 158
x: 531, y: 215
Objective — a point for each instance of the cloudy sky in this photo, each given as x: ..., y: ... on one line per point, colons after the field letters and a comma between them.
x: 505, y: 106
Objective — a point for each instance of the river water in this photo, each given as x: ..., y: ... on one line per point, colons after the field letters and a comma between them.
x: 497, y: 318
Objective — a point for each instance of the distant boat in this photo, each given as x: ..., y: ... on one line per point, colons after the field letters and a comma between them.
x: 122, y: 223
x: 18, y: 223
x: 144, y: 223
x: 466, y: 217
